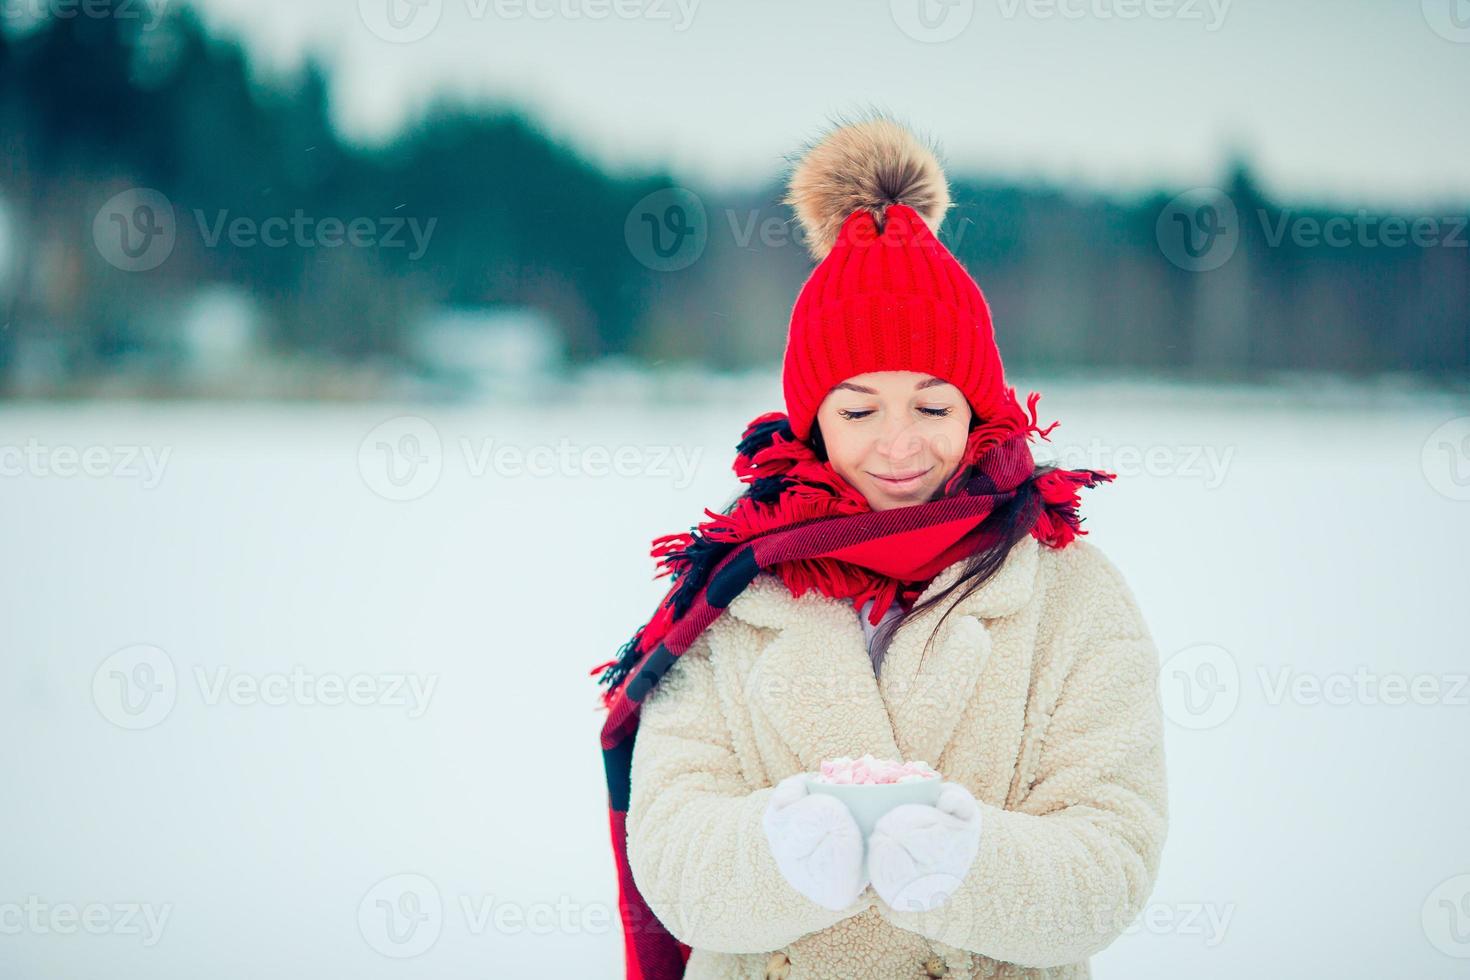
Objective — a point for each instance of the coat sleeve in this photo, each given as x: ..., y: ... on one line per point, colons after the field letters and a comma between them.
x: 1059, y: 877
x: 696, y: 846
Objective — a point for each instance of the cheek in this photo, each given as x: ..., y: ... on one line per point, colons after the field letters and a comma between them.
x: 949, y: 442
x: 846, y: 450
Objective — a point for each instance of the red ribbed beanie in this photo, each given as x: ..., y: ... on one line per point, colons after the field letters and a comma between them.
x: 886, y: 294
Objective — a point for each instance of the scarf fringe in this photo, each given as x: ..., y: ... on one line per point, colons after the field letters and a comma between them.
x: 1059, y: 523
x: 787, y: 485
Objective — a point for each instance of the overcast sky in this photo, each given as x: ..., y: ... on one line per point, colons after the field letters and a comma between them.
x: 1347, y: 101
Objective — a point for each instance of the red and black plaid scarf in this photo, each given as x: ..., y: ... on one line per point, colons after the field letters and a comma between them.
x: 802, y: 521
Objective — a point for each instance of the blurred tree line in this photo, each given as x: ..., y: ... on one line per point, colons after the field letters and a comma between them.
x: 94, y: 105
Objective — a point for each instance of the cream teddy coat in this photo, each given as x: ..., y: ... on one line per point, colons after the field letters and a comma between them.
x: 1038, y: 694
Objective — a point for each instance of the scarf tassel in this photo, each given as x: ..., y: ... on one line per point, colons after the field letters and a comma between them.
x: 1059, y: 522
x: 631, y: 653
x: 615, y: 670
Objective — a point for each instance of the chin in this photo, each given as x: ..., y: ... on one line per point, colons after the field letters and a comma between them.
x: 880, y: 498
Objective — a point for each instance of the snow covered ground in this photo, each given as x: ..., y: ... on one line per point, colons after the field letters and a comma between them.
x: 294, y: 691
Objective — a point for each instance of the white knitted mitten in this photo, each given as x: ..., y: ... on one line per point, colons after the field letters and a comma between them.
x: 816, y: 843
x: 919, y: 854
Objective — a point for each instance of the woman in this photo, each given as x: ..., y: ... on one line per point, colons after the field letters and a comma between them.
x: 896, y: 491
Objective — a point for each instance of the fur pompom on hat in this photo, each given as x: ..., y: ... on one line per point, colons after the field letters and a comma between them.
x: 886, y: 294
x: 867, y: 165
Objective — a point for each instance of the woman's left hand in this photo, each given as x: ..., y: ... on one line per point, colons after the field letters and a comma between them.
x: 918, y: 854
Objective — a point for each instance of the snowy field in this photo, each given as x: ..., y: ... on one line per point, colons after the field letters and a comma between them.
x: 302, y: 691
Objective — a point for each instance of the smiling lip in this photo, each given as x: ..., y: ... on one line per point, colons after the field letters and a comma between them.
x: 906, y: 483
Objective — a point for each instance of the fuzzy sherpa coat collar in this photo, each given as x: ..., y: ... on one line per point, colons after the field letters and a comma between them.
x: 895, y: 715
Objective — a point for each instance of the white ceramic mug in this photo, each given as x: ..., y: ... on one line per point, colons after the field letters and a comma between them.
x: 869, y: 801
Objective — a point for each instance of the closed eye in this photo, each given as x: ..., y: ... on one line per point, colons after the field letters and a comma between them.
x: 854, y: 416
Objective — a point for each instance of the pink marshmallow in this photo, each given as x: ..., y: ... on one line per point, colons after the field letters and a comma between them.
x: 869, y: 770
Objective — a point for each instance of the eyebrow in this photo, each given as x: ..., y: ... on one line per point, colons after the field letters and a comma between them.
x: 930, y: 383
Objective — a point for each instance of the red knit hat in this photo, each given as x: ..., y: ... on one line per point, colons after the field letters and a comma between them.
x: 886, y: 294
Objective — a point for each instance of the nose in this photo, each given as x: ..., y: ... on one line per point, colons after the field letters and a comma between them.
x: 898, y: 441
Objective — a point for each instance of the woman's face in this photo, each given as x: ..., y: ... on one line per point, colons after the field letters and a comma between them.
x: 888, y: 424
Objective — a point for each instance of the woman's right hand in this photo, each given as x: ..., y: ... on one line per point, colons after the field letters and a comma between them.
x: 816, y: 843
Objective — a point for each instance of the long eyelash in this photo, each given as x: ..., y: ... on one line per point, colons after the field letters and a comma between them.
x: 937, y: 413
